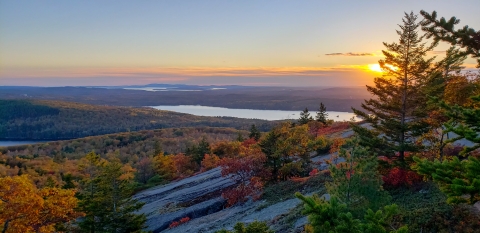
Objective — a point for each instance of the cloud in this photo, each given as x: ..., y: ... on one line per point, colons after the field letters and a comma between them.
x: 351, y: 54
x: 437, y: 52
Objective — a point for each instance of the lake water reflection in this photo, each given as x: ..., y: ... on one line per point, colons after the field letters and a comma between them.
x: 250, y: 113
x: 17, y: 143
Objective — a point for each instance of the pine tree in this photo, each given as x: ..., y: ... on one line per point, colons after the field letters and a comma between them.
x: 105, y: 197
x: 305, y: 117
x: 332, y: 216
x: 465, y: 122
x: 460, y: 180
x: 269, y: 148
x: 115, y: 184
x: 158, y: 148
x: 443, y: 30
x: 254, y: 227
x: 322, y: 114
x: 254, y: 133
x: 396, y: 114
x: 197, y: 152
x: 89, y: 194
x: 438, y: 87
x: 356, y: 182
x: 240, y: 137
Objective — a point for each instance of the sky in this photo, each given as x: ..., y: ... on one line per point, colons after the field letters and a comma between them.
x: 280, y: 43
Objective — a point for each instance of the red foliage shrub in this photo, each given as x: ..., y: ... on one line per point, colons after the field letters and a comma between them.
x: 174, y: 224
x: 178, y: 223
x: 247, y: 172
x: 247, y: 143
x: 401, y: 177
x: 336, y: 127
x: 243, y: 191
x: 184, y: 220
x: 313, y: 172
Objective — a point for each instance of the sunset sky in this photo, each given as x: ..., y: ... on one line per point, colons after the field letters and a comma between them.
x: 287, y: 43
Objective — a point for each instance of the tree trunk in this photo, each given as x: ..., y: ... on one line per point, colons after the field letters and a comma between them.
x: 5, y: 226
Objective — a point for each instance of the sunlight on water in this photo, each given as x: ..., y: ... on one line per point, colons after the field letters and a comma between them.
x: 250, y: 113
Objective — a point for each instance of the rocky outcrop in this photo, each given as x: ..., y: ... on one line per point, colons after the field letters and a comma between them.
x: 192, y: 197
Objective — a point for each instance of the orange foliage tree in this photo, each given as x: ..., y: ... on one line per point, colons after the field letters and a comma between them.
x: 247, y: 170
x: 24, y: 208
x: 184, y: 165
x: 210, y: 162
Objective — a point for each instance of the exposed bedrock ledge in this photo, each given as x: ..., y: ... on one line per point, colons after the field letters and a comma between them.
x: 192, y: 197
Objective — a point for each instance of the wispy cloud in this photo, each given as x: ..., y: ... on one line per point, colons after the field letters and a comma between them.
x: 351, y: 54
x: 437, y: 52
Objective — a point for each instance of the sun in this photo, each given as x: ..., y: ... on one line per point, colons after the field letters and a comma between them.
x: 375, y: 67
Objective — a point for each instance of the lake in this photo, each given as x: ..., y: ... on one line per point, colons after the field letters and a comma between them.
x: 18, y: 143
x: 250, y: 113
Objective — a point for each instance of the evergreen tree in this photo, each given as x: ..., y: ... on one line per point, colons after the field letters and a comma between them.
x: 460, y: 180
x: 443, y: 30
x: 322, y: 114
x: 89, y: 194
x: 197, y: 152
x: 116, y: 187
x: 240, y: 137
x: 332, y: 216
x: 269, y: 148
x: 305, y: 117
x: 254, y: 227
x: 68, y: 179
x: 356, y: 182
x: 254, y: 133
x: 437, y: 87
x: 105, y: 197
x: 396, y: 115
x: 158, y: 148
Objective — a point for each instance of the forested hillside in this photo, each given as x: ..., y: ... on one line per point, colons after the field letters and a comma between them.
x: 264, y: 98
x: 129, y: 145
x: 56, y: 120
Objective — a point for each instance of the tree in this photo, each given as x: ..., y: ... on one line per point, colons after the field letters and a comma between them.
x: 247, y: 170
x: 254, y: 133
x: 89, y: 194
x: 145, y: 168
x: 460, y: 180
x: 463, y: 119
x: 210, y: 162
x: 197, y: 152
x: 322, y: 114
x: 24, y: 208
x: 118, y: 206
x: 165, y: 166
x: 356, y: 182
x: 254, y: 227
x: 446, y: 83
x: 105, y: 196
x: 289, y: 147
x: 394, y: 114
x: 332, y: 216
x: 443, y: 30
x: 304, y: 117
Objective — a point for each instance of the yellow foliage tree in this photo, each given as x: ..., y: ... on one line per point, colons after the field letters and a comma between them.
x: 210, y: 162
x: 24, y: 208
x: 165, y: 166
